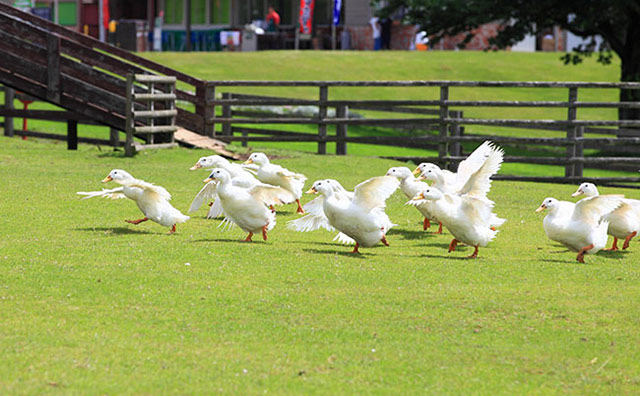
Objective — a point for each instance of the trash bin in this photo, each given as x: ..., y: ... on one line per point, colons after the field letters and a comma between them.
x: 131, y: 34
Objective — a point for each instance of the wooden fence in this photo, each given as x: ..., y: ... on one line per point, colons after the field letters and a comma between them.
x: 442, y: 115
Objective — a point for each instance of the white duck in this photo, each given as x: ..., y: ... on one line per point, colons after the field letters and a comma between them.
x: 362, y: 218
x: 412, y: 187
x: 152, y: 200
x: 473, y: 176
x: 239, y: 176
x: 278, y: 176
x: 468, y: 217
x: 450, y: 182
x: 624, y: 222
x: 581, y: 227
x: 248, y: 208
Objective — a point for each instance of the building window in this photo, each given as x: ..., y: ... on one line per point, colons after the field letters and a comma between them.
x: 198, y: 12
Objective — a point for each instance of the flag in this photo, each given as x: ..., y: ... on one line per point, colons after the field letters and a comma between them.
x: 337, y: 6
x: 306, y: 16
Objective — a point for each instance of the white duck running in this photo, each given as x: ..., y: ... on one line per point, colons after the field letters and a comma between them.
x: 152, y: 200
x: 450, y: 182
x: 278, y: 176
x: 362, y: 218
x: 581, y: 227
x: 248, y: 208
x: 239, y: 175
x: 624, y: 222
x: 412, y: 187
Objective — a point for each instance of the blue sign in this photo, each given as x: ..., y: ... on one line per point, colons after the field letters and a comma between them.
x: 337, y: 6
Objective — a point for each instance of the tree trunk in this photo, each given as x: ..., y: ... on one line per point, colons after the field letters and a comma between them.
x: 630, y: 72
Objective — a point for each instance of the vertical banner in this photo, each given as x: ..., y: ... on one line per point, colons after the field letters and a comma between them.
x: 306, y: 16
x: 337, y: 7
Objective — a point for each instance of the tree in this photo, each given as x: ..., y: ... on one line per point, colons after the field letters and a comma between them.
x: 616, y: 21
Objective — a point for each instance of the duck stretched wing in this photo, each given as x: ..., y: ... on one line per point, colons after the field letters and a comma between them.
x: 472, y: 163
x: 374, y: 192
x: 156, y: 192
x: 114, y: 193
x: 591, y: 210
x: 479, y: 182
x: 271, y: 195
x: 314, y: 218
x: 206, y: 193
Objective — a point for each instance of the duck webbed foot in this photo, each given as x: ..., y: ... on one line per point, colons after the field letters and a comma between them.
x: 582, y: 252
x: 628, y: 239
x: 135, y: 222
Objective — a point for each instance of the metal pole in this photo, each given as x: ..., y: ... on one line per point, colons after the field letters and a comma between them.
x: 56, y: 14
x: 100, y: 20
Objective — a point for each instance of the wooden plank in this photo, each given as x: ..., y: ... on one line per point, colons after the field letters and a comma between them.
x: 151, y: 78
x: 190, y: 138
x: 341, y: 131
x: 154, y: 113
x: 155, y: 129
x: 53, y: 69
x: 569, y: 170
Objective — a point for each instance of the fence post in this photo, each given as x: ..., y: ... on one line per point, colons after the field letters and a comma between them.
x: 569, y: 169
x: 454, y: 147
x: 129, y: 150
x: 9, y: 96
x: 579, y: 166
x: 226, y: 113
x: 207, y: 93
x: 444, y: 113
x: 322, y: 115
x: 114, y: 137
x: 341, y: 130
x: 72, y: 135
x: 53, y: 68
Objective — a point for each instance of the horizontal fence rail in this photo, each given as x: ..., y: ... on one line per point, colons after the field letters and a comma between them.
x: 434, y: 123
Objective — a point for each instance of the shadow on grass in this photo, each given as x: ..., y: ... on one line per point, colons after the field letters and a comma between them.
x: 345, y: 253
x: 230, y: 240
x: 412, y: 234
x: 451, y: 257
x: 117, y: 231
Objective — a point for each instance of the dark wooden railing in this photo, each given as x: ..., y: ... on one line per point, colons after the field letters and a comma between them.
x: 444, y: 118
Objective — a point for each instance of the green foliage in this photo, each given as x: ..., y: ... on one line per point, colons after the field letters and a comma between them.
x: 90, y: 304
x: 615, y: 21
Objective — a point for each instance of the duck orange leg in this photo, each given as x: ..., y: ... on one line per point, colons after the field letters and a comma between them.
x: 614, y: 247
x: 264, y: 231
x: 475, y: 253
x: 355, y: 249
x: 426, y: 224
x: 628, y: 239
x: 581, y: 253
x: 439, y: 228
x: 248, y: 239
x: 300, y: 210
x: 172, y: 230
x: 384, y: 240
x: 136, y: 221
x: 453, y: 244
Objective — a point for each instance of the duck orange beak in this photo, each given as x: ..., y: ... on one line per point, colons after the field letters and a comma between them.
x: 418, y: 197
x: 579, y: 192
x: 249, y: 161
x: 421, y: 177
x: 416, y: 171
x: 196, y: 166
x: 207, y: 180
x: 312, y: 191
x: 541, y: 208
x: 107, y: 179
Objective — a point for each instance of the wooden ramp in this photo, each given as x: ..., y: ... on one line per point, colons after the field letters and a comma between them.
x: 186, y: 137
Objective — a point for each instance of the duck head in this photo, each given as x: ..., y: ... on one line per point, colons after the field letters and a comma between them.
x: 429, y: 194
x: 323, y: 187
x: 208, y: 162
x: 401, y: 172
x: 421, y: 168
x: 118, y: 176
x: 548, y: 203
x: 588, y: 189
x: 430, y: 172
x: 218, y: 175
x: 258, y: 159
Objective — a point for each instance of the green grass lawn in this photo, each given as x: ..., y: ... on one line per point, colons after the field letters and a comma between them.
x: 92, y: 305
